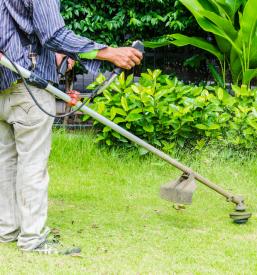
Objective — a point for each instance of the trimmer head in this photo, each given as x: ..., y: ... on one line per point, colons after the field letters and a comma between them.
x: 240, y: 217
x: 179, y: 191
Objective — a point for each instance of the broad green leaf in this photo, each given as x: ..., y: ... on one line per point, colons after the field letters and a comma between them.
x: 237, y: 90
x: 86, y: 117
x: 197, y: 9
x: 201, y: 126
x: 135, y: 89
x: 163, y: 93
x: 253, y: 124
x: 149, y: 90
x: 224, y: 117
x: 223, y: 45
x: 230, y: 7
x: 182, y: 40
x: 119, y: 120
x: 99, y: 138
x: 121, y: 79
x: 108, y: 142
x: 92, y: 86
x: 115, y: 134
x: 249, y: 75
x: 214, y: 127
x: 156, y: 44
x: 129, y: 80
x: 149, y: 109
x: 107, y: 95
x: 115, y: 87
x: 113, y: 113
x: 220, y: 93
x: 120, y: 111
x: 156, y: 73
x: 246, y: 36
x: 221, y: 23
x: 133, y: 117
x: 147, y: 76
x: 128, y: 125
x: 136, y: 111
x: 148, y: 128
x: 106, y: 129
x: 100, y: 79
x: 147, y: 99
x: 124, y: 104
x: 101, y: 107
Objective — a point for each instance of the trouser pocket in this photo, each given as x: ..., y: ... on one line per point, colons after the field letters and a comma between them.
x: 25, y: 111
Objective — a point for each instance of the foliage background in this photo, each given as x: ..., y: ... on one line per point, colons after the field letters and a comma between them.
x: 120, y: 22
x: 115, y: 22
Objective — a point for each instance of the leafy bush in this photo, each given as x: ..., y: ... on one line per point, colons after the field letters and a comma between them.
x: 114, y: 22
x: 165, y: 112
x: 234, y: 26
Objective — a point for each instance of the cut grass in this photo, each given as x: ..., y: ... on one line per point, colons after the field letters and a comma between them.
x: 106, y: 201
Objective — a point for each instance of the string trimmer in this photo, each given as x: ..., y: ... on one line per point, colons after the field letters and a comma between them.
x: 179, y: 191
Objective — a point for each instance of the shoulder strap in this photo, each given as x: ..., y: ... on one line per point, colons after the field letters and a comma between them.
x: 24, y: 37
x: 27, y: 40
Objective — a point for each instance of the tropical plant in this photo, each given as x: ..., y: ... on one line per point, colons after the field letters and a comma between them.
x: 234, y: 26
x: 166, y: 112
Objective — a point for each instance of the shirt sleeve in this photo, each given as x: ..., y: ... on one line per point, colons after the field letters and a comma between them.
x: 50, y: 29
x: 66, y: 42
x: 46, y: 18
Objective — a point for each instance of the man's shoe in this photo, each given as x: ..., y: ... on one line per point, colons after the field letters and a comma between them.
x: 52, y: 248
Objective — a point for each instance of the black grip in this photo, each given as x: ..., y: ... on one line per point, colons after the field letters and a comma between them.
x: 62, y: 69
x: 138, y: 45
x: 37, y: 81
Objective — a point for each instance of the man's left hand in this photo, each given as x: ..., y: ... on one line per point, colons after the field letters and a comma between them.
x: 59, y: 58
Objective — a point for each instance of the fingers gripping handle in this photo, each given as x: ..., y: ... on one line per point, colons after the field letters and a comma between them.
x: 138, y: 45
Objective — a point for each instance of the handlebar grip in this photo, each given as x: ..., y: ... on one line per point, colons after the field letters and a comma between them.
x: 138, y: 45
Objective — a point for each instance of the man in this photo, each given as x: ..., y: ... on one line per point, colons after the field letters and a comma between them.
x: 25, y: 131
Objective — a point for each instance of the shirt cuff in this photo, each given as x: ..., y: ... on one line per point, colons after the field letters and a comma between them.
x: 89, y: 55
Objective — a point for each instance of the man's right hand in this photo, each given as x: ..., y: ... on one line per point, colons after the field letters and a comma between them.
x: 125, y: 58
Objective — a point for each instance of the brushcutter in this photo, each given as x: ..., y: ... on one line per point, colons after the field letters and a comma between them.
x: 179, y: 191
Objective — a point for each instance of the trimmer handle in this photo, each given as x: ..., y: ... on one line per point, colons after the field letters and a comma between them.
x: 62, y: 69
x: 138, y: 45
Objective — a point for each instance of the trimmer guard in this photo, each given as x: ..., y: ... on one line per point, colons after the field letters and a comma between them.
x: 179, y: 191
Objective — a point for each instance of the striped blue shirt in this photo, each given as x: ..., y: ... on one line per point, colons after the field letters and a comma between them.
x: 41, y: 19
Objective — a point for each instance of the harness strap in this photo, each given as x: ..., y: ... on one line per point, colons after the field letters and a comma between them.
x: 32, y: 42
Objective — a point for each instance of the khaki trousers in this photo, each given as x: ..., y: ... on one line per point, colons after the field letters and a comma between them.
x: 25, y: 141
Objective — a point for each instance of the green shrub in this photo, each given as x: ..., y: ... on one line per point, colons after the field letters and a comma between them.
x: 115, y: 22
x: 165, y: 112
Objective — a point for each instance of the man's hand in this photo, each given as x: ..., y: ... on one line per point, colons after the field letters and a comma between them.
x: 59, y: 58
x: 125, y: 58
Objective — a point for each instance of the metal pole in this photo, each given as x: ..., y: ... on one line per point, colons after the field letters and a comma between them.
x: 58, y: 93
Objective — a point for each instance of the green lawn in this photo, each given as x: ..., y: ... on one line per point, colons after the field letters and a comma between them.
x: 107, y: 202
